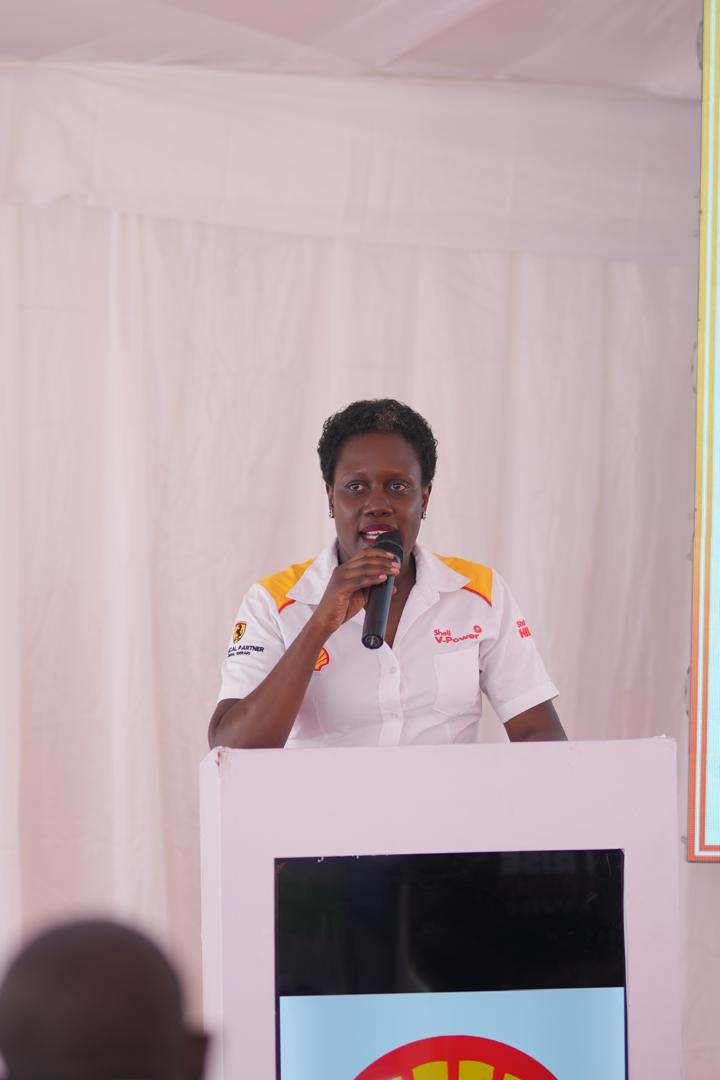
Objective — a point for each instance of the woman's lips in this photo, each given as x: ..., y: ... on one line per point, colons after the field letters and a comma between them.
x: 371, y: 535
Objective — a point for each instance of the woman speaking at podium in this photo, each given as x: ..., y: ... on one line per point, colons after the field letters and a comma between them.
x: 297, y: 672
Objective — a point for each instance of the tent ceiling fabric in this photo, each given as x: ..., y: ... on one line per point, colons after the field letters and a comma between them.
x: 452, y: 164
x: 646, y: 45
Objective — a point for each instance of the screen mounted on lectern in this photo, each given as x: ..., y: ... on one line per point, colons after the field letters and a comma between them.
x: 451, y: 966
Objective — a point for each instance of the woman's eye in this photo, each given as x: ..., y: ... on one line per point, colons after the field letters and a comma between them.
x: 398, y: 486
x: 354, y: 487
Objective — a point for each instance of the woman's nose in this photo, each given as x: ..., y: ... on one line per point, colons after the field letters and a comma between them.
x: 377, y: 502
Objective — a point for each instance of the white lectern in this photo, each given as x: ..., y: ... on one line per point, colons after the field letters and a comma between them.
x: 582, y: 824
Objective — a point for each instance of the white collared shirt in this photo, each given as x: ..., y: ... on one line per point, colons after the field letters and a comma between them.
x: 451, y: 645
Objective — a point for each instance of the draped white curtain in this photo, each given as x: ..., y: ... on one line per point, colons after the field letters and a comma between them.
x: 166, y: 368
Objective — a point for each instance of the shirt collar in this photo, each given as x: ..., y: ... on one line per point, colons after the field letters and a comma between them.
x: 432, y: 576
x: 312, y: 584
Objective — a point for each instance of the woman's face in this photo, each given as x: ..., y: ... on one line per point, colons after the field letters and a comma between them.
x: 377, y: 488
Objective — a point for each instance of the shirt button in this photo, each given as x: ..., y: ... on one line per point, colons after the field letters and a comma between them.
x: 393, y: 670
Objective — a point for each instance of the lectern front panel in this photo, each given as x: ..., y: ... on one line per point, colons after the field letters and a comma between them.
x: 442, y: 912
x: 509, y: 961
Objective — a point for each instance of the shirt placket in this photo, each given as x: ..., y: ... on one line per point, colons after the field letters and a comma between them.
x: 391, y: 709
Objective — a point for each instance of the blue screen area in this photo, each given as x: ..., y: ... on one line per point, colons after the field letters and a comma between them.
x: 577, y: 1034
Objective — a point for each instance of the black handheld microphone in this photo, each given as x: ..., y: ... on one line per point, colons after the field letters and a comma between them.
x: 379, y: 596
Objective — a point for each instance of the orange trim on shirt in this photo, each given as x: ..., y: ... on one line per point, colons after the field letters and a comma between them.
x: 481, y: 577
x: 280, y: 584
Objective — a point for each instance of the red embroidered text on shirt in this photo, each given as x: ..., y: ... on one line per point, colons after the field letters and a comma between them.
x: 523, y: 628
x: 444, y: 637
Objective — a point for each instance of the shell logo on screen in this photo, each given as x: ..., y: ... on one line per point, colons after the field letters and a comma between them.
x: 456, y: 1057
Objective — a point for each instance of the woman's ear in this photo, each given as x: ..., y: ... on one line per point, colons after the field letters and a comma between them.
x: 331, y: 508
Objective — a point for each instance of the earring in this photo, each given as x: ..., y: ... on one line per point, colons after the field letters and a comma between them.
x: 424, y: 514
x: 331, y: 512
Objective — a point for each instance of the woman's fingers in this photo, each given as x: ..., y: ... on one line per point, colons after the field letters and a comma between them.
x: 366, y: 569
x: 348, y: 588
x: 366, y: 576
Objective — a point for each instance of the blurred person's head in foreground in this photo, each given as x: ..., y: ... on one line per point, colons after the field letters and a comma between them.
x: 95, y: 1001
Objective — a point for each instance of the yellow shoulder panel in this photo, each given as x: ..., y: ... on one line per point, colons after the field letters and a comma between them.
x: 480, y: 576
x: 280, y: 584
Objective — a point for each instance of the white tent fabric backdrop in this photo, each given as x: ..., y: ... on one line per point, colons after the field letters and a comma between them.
x: 477, y: 166
x: 195, y: 272
x: 647, y: 45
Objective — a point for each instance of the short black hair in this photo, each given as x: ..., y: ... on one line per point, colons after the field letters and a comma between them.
x: 380, y: 414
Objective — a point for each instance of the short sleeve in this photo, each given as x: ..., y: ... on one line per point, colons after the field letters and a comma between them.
x: 256, y: 644
x: 512, y: 673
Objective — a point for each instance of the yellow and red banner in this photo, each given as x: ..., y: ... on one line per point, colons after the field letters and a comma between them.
x: 704, y: 776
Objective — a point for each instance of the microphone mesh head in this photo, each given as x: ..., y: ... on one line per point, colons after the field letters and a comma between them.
x: 392, y: 542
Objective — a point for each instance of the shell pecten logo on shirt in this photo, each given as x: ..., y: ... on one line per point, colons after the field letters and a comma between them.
x: 323, y: 660
x: 456, y: 1057
x: 238, y: 631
